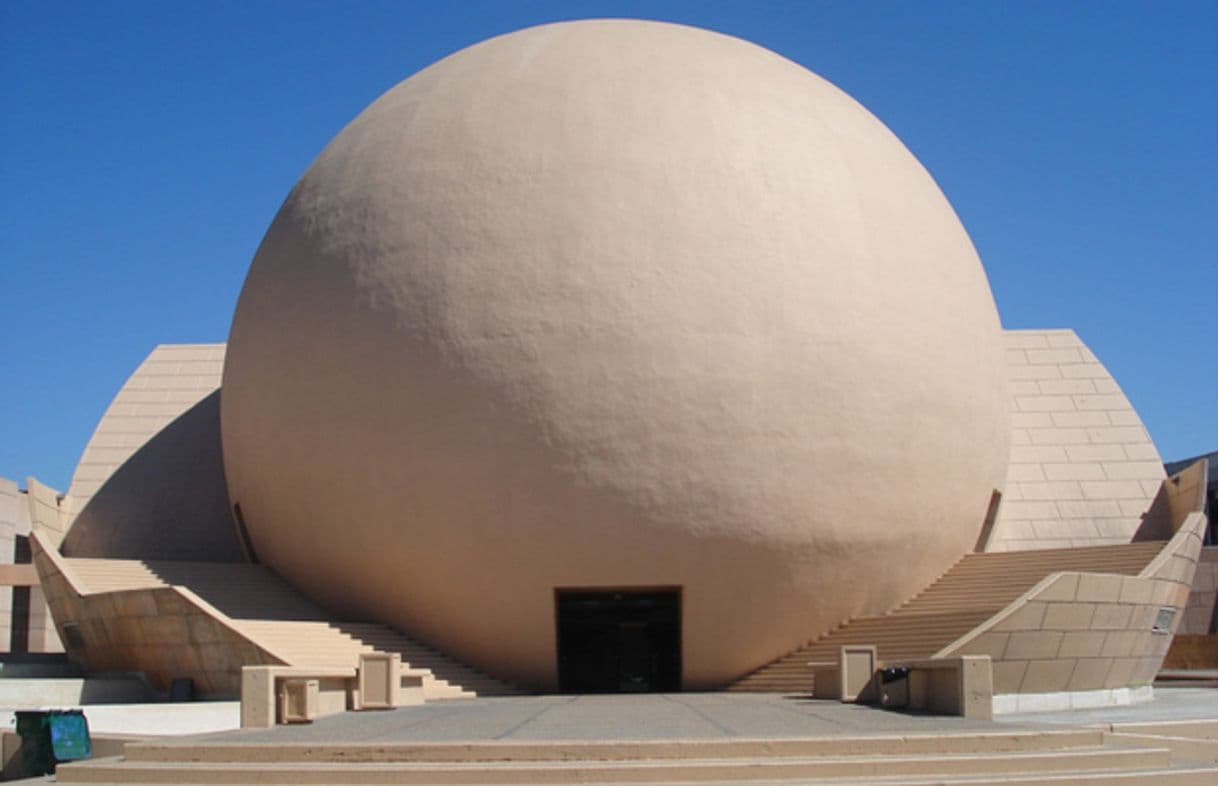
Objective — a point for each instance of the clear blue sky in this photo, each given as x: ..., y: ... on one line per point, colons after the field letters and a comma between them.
x: 147, y: 146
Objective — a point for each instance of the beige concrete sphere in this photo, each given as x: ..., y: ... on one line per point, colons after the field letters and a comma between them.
x: 614, y: 304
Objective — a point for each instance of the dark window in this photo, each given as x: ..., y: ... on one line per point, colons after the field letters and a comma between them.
x: 19, y: 625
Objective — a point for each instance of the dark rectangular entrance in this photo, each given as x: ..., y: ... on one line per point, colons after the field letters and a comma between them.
x: 618, y: 641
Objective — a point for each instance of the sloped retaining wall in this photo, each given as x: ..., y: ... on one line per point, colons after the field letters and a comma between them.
x: 1081, y: 632
x: 165, y: 632
x: 1088, y: 635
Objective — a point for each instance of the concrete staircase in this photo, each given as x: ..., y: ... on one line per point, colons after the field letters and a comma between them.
x: 1022, y: 758
x: 973, y: 590
x: 272, y: 615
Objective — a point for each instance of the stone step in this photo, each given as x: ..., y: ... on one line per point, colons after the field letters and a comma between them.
x: 666, y: 770
x: 1177, y: 776
x: 977, y: 742
x: 1014, y: 560
x: 1202, y: 728
x: 922, y: 624
x: 969, y: 571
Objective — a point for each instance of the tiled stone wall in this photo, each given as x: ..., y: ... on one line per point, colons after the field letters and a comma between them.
x: 20, y: 512
x: 43, y: 635
x: 47, y: 518
x: 166, y: 632
x: 46, y: 515
x: 1084, y: 631
x: 1181, y: 495
x: 1083, y: 470
x: 171, y: 380
x: 12, y: 505
x: 1192, y: 652
x: 151, y: 482
x: 1201, y: 614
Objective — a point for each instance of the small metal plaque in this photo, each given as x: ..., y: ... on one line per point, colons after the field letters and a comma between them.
x: 1164, y: 619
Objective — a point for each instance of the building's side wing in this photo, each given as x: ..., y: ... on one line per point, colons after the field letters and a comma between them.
x: 25, y: 621
x: 171, y: 380
x: 150, y: 484
x: 1083, y: 470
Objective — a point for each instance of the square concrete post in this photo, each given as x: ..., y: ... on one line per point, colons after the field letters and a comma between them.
x: 857, y: 665
x: 257, y: 697
x: 976, y: 687
x: 380, y: 681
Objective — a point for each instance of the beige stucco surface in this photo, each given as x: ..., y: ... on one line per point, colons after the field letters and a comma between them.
x: 1083, y: 469
x: 614, y: 304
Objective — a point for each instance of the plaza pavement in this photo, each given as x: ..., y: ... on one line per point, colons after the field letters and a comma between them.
x: 683, y: 716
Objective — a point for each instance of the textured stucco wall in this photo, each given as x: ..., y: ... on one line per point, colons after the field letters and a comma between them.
x: 614, y: 304
x: 1083, y: 470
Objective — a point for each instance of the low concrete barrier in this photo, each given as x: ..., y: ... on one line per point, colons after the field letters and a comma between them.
x: 292, y: 694
x: 18, y: 693
x: 960, y: 685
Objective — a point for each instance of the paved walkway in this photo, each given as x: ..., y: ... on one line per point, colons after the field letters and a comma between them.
x: 686, y: 716
x: 617, y: 717
x: 620, y: 717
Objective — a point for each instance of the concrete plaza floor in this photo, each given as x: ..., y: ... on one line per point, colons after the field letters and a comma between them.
x: 611, y: 717
x: 685, y: 716
x: 617, y: 717
x: 620, y: 718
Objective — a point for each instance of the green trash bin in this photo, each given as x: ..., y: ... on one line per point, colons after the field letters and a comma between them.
x: 70, y: 735
x: 49, y: 737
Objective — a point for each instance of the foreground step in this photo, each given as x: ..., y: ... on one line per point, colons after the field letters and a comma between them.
x: 1189, y: 776
x: 623, y: 771
x: 908, y: 744
x: 1073, y: 756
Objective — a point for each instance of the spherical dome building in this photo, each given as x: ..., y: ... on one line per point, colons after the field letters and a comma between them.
x: 606, y: 310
